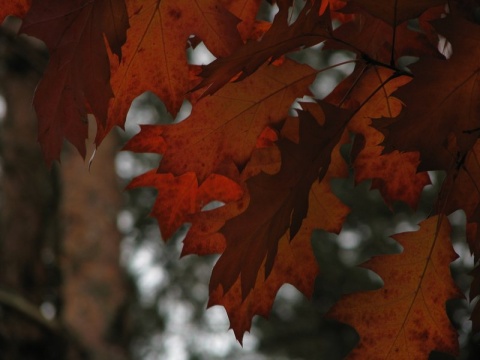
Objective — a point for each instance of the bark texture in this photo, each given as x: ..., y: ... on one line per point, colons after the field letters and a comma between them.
x: 94, y: 288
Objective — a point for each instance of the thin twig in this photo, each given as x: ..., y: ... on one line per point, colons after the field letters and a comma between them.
x: 21, y: 305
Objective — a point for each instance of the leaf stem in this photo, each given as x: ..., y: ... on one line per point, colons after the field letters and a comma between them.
x: 397, y: 72
x: 394, y: 36
x: 370, y: 60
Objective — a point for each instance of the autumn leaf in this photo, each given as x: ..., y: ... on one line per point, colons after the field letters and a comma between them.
x: 309, y: 29
x: 203, y: 236
x: 460, y: 190
x: 77, y: 78
x: 269, y: 172
x: 277, y: 202
x: 370, y: 36
x: 223, y: 129
x: 14, y: 8
x: 154, y: 57
x: 336, y: 10
x: 451, y: 106
x: 183, y: 197
x: 246, y: 10
x: 406, y: 319
x: 395, y: 12
x: 295, y: 264
x: 236, y: 116
x: 394, y: 174
x: 294, y: 261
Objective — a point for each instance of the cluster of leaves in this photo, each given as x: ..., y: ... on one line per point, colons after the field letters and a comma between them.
x: 271, y: 170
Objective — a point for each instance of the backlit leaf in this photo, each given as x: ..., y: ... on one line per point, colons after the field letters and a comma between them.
x: 154, y: 56
x: 406, y: 319
x: 77, y: 78
x: 451, y: 107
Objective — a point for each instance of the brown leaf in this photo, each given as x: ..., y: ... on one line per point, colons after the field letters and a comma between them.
x: 460, y: 190
x: 77, y: 78
x: 395, y: 12
x: 394, y: 174
x: 294, y: 262
x: 444, y: 97
x: 406, y: 318
x: 278, y: 202
x: 309, y: 29
x: 373, y: 37
x: 203, y: 236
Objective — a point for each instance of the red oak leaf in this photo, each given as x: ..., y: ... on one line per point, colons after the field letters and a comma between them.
x: 374, y: 38
x: 309, y: 29
x: 154, y: 56
x: 406, y: 318
x: 77, y: 79
x: 14, y: 8
x: 395, y: 12
x: 444, y: 97
x: 294, y: 261
x: 224, y: 128
x: 278, y: 202
x: 393, y: 174
x: 180, y: 197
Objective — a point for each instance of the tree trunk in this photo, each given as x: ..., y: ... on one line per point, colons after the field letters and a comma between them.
x: 62, y: 291
x: 94, y: 289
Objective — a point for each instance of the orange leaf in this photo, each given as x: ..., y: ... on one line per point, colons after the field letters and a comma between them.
x: 406, y: 318
x: 203, y: 236
x: 16, y: 8
x: 336, y: 11
x: 266, y: 138
x: 154, y: 57
x: 180, y: 197
x: 393, y: 174
x: 223, y: 129
x: 246, y: 10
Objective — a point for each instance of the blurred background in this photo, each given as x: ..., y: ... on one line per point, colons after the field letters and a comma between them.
x: 84, y: 273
